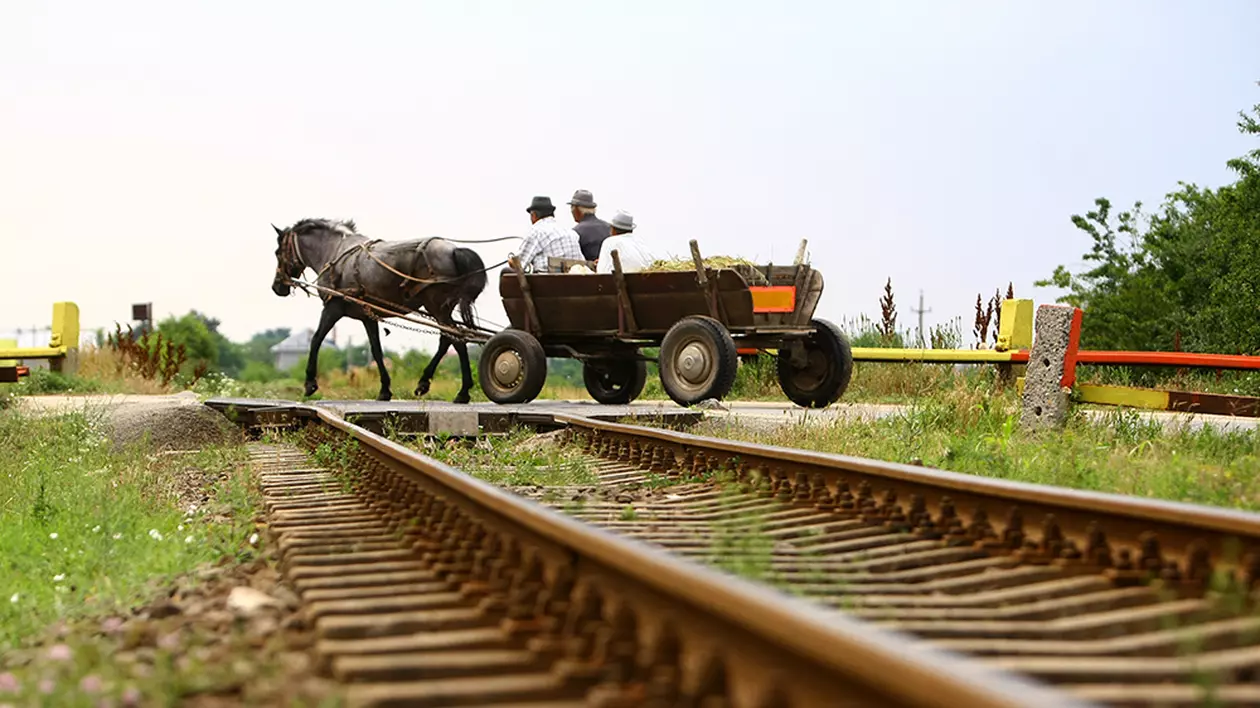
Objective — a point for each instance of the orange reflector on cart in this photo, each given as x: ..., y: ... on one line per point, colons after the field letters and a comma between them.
x: 773, y: 298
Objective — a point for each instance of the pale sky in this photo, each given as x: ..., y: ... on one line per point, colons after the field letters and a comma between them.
x: 145, y: 147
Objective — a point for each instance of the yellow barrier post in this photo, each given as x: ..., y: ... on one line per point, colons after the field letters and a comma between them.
x: 9, y: 344
x: 65, y: 336
x: 1016, y: 330
x: 62, y: 351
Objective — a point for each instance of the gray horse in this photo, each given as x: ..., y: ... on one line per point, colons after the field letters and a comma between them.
x: 427, y: 274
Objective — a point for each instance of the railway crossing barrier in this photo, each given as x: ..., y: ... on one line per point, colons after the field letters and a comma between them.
x: 62, y: 351
x: 1049, y: 386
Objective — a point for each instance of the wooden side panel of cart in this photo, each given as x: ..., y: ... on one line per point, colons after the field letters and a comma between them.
x: 593, y: 305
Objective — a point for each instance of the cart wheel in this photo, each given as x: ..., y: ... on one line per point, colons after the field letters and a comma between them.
x: 826, y: 370
x: 513, y: 367
x: 614, y: 381
x: 698, y: 361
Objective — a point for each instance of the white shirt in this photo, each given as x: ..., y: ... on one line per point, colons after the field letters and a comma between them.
x: 634, y: 256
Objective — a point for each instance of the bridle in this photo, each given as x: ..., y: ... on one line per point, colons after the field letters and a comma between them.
x: 290, y: 256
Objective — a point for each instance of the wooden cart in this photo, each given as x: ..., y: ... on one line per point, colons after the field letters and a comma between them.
x: 701, y: 320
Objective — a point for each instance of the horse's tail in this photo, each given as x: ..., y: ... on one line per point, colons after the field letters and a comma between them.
x: 468, y: 263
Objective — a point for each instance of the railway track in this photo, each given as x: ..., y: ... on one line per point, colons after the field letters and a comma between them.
x: 918, y: 587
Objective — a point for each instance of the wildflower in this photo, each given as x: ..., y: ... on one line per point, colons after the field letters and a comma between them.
x: 96, y: 528
x: 53, y: 535
x: 59, y: 577
x: 253, y: 539
x: 155, y: 534
x: 9, y: 683
x: 59, y: 652
x: 188, y: 539
x: 14, y: 598
x: 179, y: 528
x: 91, y: 684
x: 117, y: 536
x: 131, y: 696
x: 46, y: 686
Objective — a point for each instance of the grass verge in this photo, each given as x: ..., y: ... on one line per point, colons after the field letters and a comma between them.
x: 89, y: 532
x: 970, y: 428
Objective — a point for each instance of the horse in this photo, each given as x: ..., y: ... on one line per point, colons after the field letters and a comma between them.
x: 429, y: 274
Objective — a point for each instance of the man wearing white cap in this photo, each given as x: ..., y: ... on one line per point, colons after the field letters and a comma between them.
x: 634, y: 256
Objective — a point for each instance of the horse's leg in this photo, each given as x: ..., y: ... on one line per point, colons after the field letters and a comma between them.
x: 422, y: 387
x: 465, y: 369
x: 374, y: 340
x: 327, y: 319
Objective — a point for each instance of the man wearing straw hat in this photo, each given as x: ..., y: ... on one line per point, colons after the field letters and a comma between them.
x: 633, y: 255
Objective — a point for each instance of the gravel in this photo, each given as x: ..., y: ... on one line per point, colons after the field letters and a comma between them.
x: 169, y: 426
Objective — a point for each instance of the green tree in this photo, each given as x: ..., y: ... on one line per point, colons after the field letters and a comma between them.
x: 1190, y: 271
x: 192, y: 332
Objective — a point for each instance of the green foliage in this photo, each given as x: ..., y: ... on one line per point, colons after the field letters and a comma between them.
x: 519, y: 458
x: 258, y: 348
x: 43, y: 381
x: 1186, y: 275
x: 192, y: 331
x: 88, y: 529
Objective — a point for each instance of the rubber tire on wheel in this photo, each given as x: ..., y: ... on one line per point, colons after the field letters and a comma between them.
x: 512, y: 367
x: 698, y: 361
x: 614, y: 381
x: 826, y: 374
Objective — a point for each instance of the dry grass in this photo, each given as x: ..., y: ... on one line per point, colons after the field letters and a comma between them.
x: 107, y: 367
x: 710, y: 262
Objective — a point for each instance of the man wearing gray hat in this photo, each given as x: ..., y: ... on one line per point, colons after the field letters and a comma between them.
x: 591, y: 229
x: 630, y: 250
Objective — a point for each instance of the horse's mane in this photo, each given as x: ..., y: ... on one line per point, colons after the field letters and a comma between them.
x: 308, y: 225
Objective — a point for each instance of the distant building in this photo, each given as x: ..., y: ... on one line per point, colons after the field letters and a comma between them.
x: 289, y: 352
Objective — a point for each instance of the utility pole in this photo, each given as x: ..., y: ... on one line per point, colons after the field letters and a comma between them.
x: 920, y: 312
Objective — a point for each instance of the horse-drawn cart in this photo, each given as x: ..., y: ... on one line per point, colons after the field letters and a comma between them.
x: 700, y: 319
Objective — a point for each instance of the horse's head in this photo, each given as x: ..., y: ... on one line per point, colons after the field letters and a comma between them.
x: 289, y: 264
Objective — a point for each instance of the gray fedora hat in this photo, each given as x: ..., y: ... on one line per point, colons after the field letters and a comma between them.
x: 541, y: 204
x: 583, y: 198
x: 623, y: 221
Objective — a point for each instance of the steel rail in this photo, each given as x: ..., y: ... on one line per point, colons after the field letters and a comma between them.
x: 793, y: 653
x: 1183, y: 543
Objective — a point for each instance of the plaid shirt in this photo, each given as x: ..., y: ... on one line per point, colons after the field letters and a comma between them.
x: 548, y: 239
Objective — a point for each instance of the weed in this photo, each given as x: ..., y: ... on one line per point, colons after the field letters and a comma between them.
x: 888, y: 313
x: 88, y: 530
x: 518, y: 458
x: 151, y: 356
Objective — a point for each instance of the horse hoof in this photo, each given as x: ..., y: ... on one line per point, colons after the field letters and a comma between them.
x: 422, y: 388
x: 311, y: 389
x: 462, y: 398
x: 384, y: 396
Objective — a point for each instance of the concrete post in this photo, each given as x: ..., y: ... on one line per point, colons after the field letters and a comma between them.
x: 1051, y: 367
